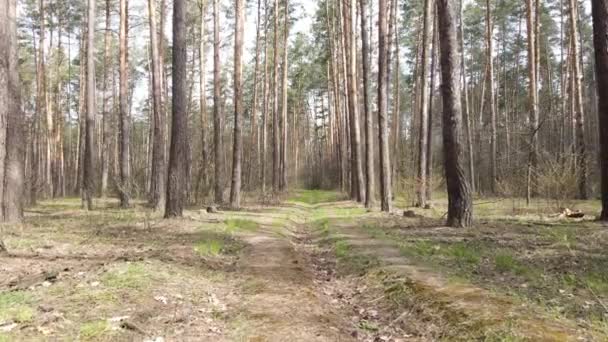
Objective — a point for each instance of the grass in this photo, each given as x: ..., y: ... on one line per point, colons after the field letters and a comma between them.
x: 16, y: 306
x: 597, y: 281
x: 237, y: 225
x: 127, y: 276
x: 211, y: 247
x: 342, y: 249
x: 313, y: 197
x: 94, y: 330
x: 506, y: 263
x: 464, y: 253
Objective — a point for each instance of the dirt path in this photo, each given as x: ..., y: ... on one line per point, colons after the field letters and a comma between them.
x: 280, y: 301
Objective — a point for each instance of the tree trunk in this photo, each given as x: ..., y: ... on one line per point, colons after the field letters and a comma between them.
x: 176, y: 186
x: 235, y: 189
x: 383, y: 80
x: 124, y: 186
x: 424, y: 103
x: 265, y: 104
x: 88, y: 179
x: 490, y: 52
x: 466, y: 112
x: 577, y: 95
x: 5, y: 98
x: 203, y: 181
x: 105, y: 151
x: 217, y: 108
x: 254, y: 136
x: 600, y: 43
x: 533, y: 96
x: 284, y: 124
x: 13, y: 188
x: 158, y: 176
x: 358, y: 190
x: 460, y: 208
x: 369, y: 122
x: 429, y: 132
x: 276, y: 167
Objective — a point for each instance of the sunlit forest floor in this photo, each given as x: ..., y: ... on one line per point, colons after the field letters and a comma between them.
x: 314, y: 268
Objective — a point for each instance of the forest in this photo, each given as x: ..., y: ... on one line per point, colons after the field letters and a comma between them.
x: 303, y: 170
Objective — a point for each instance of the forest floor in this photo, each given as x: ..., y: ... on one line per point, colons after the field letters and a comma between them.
x: 314, y: 268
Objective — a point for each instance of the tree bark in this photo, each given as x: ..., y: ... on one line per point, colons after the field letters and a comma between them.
x: 176, y: 186
x: 358, y: 190
x: 284, y: 124
x: 217, y: 109
x: 124, y: 186
x: 235, y: 189
x: 5, y: 99
x: 369, y: 122
x: 89, y: 146
x: 264, y: 142
x: 460, y: 209
x: 276, y: 162
x: 12, y: 201
x: 385, y: 176
x: 577, y: 95
x: 105, y: 151
x: 424, y: 104
x: 254, y: 162
x: 158, y: 176
x: 599, y: 10
x: 490, y: 56
x: 533, y: 103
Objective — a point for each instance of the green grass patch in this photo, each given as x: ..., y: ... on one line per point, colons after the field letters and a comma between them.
x: 94, y: 330
x: 425, y: 248
x: 16, y: 306
x: 313, y: 197
x: 341, y: 249
x: 597, y: 281
x: 235, y: 225
x: 464, y: 253
x: 563, y: 236
x: 127, y: 276
x: 505, y: 262
x: 212, y: 247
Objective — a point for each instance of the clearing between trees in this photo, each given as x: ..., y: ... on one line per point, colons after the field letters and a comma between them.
x: 314, y: 268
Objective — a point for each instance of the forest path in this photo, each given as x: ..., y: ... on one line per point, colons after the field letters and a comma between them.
x: 280, y: 300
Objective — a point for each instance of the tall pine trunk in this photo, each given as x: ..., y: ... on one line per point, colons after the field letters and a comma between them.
x: 577, y: 95
x: 178, y: 166
x: 460, y: 206
x: 124, y: 186
x: 600, y: 43
x: 369, y: 122
x: 12, y: 200
x: 88, y: 177
x: 424, y: 103
x: 218, y: 145
x: 383, y: 80
x: 158, y: 177
x: 235, y: 189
